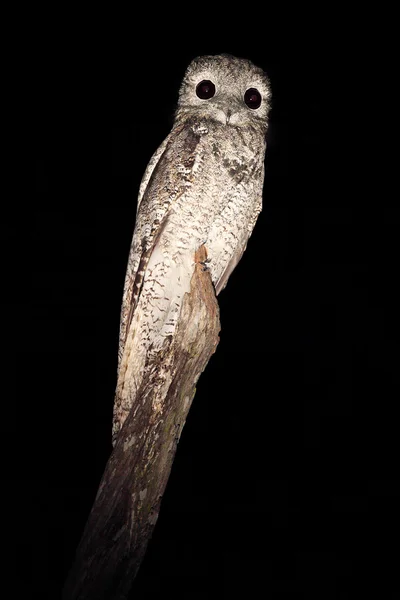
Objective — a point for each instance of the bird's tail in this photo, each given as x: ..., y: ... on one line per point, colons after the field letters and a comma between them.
x: 154, y: 320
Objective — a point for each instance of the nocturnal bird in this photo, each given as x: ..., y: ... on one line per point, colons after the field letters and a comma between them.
x: 203, y: 186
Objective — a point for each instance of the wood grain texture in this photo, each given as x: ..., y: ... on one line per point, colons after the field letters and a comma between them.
x: 128, y: 501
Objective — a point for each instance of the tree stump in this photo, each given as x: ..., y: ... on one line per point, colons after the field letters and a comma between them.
x: 128, y: 500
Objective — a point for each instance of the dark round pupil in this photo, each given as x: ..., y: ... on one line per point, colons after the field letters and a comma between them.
x: 205, y: 89
x: 252, y: 98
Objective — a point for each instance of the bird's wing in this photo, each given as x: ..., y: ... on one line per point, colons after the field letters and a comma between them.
x: 240, y: 248
x: 149, y: 170
x: 223, y: 280
x: 166, y: 180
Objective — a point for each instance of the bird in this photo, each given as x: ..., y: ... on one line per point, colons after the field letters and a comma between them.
x: 202, y: 186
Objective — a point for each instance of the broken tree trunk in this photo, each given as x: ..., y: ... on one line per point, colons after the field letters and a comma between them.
x: 127, y: 504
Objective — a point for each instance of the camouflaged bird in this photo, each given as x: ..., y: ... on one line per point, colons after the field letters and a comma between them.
x: 202, y: 186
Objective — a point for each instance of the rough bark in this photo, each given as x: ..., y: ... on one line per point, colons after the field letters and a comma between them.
x: 127, y: 504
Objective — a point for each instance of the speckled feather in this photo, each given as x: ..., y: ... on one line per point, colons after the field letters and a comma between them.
x: 202, y: 186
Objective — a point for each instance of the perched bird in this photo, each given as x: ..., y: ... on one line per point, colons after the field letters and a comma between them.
x: 203, y: 186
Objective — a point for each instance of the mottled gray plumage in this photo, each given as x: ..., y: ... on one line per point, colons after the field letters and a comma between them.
x: 202, y: 186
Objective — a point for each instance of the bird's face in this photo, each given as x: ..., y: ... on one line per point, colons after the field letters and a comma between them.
x: 229, y: 90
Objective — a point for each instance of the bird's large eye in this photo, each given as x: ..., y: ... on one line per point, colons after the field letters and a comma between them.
x: 252, y: 98
x: 205, y: 89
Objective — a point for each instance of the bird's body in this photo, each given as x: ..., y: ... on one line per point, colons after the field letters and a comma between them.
x: 203, y: 186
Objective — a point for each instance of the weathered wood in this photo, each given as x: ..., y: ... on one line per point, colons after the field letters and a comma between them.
x: 127, y: 504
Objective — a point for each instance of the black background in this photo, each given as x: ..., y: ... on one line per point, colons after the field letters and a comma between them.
x: 285, y: 483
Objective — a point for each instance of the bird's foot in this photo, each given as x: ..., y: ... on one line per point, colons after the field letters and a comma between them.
x: 205, y: 265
